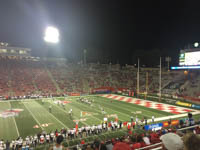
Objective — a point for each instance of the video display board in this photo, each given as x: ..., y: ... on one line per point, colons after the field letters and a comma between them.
x: 189, y: 58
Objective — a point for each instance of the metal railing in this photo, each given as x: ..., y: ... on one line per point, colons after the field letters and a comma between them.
x: 158, y: 148
x: 150, y: 146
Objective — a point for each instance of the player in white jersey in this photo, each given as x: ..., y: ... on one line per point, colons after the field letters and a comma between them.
x: 99, y: 128
x: 52, y: 136
x: 27, y: 140
x: 12, y: 144
x: 47, y: 138
x: 42, y: 139
x: 136, y: 120
x: 153, y: 118
x: 35, y: 140
x: 20, y: 142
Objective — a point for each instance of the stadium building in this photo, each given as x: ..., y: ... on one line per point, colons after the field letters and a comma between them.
x: 10, y: 51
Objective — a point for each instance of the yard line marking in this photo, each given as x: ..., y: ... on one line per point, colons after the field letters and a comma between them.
x: 91, y: 116
x: 15, y: 122
x: 80, y: 110
x: 34, y: 117
x: 66, y: 112
x: 55, y: 117
x: 85, y: 106
x: 118, y: 112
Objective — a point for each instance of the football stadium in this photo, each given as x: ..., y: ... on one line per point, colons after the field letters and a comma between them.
x: 42, y: 99
x: 98, y: 76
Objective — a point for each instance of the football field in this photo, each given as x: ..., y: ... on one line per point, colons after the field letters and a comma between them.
x: 29, y: 117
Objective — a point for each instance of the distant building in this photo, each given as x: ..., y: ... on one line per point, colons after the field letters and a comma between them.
x: 7, y: 50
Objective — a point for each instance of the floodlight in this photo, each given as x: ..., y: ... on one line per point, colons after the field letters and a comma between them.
x: 196, y: 44
x: 51, y: 35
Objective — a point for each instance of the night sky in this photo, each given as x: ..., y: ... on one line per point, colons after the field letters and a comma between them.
x: 111, y: 30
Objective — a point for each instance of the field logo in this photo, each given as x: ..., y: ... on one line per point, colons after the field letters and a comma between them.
x: 85, y: 113
x: 10, y: 113
x: 137, y: 112
x: 61, y: 102
x: 42, y: 125
x: 112, y: 116
x: 83, y: 119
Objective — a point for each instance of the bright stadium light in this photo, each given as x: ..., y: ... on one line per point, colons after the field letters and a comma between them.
x: 51, y: 35
x: 196, y: 44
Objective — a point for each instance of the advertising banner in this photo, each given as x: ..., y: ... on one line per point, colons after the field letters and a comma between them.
x: 74, y: 94
x: 173, y: 123
x: 183, y: 104
x: 195, y: 106
x: 102, y: 90
x: 153, y: 126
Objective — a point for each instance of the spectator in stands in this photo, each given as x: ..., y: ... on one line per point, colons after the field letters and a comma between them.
x: 191, y: 120
x: 136, y: 143
x: 121, y: 146
x: 191, y: 141
x: 7, y: 145
x: 171, y: 141
x: 58, y: 145
x: 146, y: 140
x: 109, y: 145
x: 102, y: 146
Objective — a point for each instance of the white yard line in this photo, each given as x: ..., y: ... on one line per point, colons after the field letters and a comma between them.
x: 34, y: 117
x: 91, y: 115
x: 80, y: 110
x: 63, y: 111
x: 111, y: 110
x: 75, y: 118
x: 55, y: 118
x: 15, y: 123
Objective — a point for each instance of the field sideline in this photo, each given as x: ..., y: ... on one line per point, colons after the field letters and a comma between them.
x: 33, y: 116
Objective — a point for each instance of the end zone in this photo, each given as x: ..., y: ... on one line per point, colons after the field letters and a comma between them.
x: 150, y: 104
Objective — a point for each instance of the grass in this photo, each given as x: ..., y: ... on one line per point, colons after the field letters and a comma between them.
x: 35, y: 112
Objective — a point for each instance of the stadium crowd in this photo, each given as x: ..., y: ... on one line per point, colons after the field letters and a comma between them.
x: 27, y: 78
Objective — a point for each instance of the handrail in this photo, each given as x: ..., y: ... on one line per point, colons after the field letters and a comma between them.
x: 149, y: 146
x: 158, y: 148
x: 188, y: 127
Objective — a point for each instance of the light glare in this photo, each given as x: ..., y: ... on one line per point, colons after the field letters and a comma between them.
x: 196, y: 44
x: 51, y: 35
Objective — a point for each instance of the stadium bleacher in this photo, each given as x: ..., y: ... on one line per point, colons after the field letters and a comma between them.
x: 23, y: 77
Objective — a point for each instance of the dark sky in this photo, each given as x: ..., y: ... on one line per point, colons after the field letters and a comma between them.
x: 111, y: 30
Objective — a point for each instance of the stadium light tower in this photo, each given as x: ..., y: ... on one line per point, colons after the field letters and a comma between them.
x: 196, y: 44
x: 138, y: 78
x: 160, y: 79
x: 168, y: 59
x: 51, y: 35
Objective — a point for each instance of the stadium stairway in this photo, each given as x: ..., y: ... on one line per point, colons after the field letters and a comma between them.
x: 34, y: 84
x: 54, y: 82
x: 86, y: 86
x: 11, y: 92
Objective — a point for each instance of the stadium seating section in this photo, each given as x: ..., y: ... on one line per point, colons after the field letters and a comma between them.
x: 20, y: 77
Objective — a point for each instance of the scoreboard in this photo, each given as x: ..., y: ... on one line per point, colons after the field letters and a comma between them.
x: 189, y: 58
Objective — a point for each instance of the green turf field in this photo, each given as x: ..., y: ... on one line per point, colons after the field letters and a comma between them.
x: 36, y: 112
